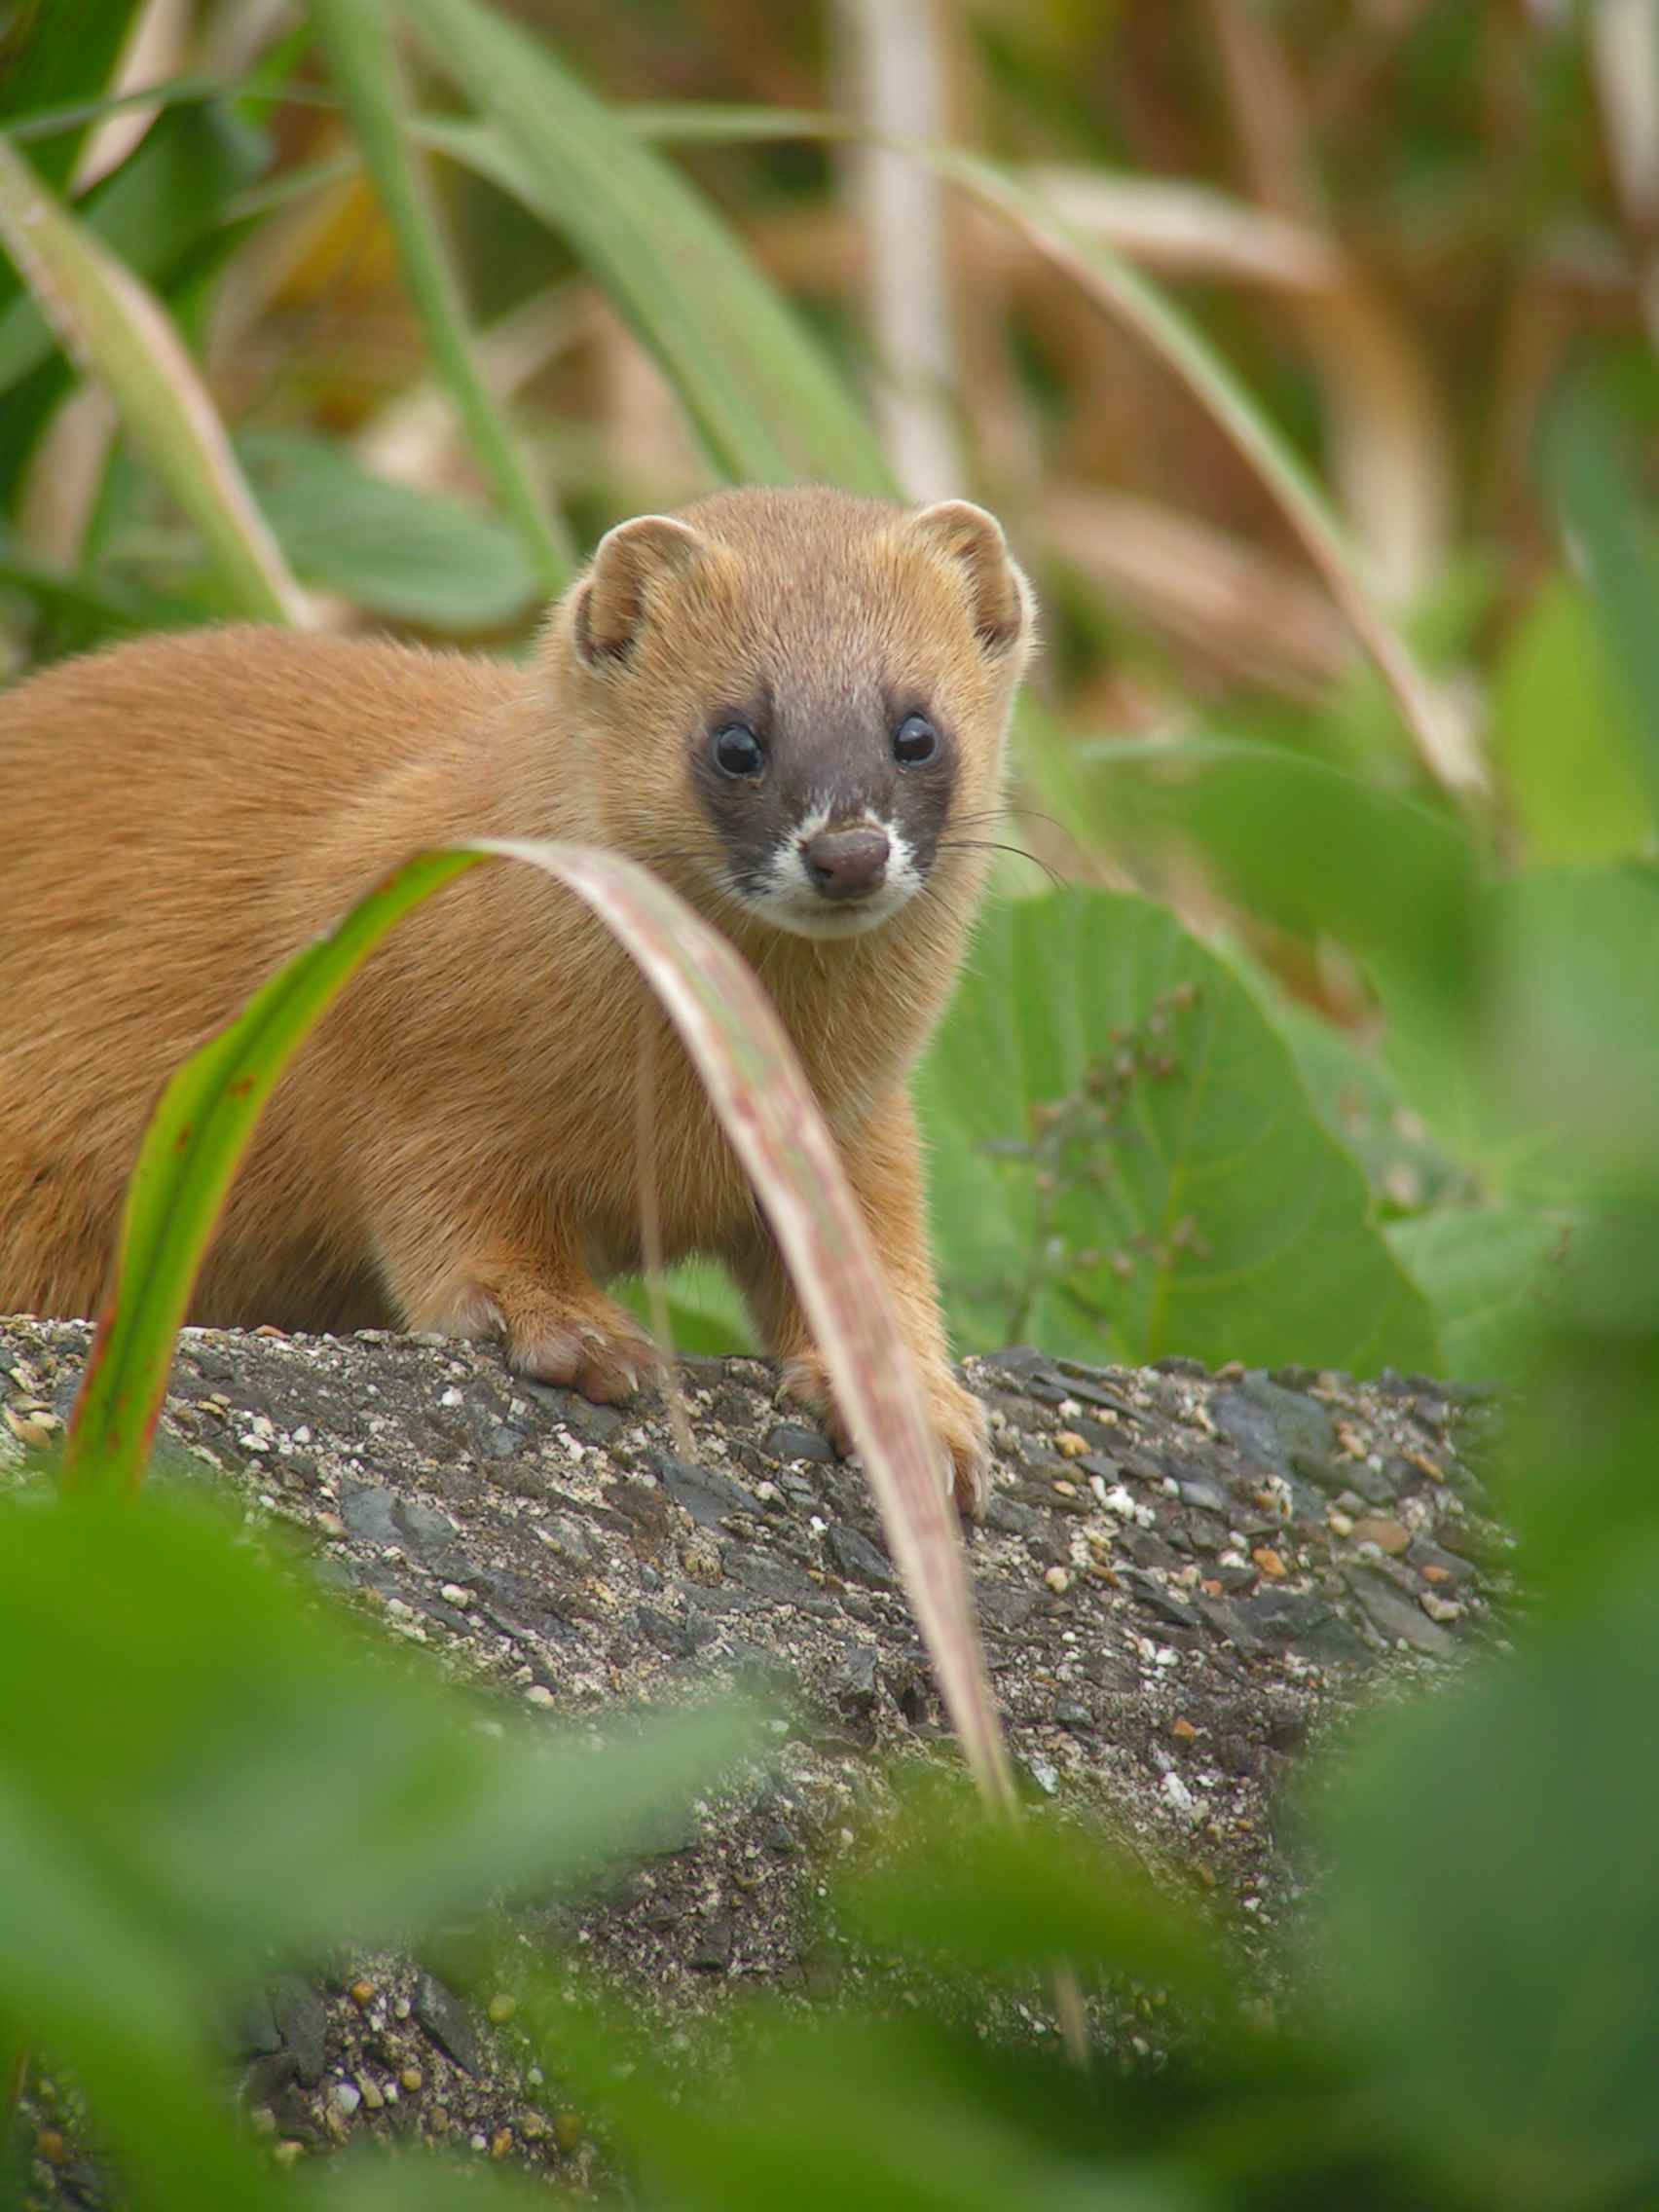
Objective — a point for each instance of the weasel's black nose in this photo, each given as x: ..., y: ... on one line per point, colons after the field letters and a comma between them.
x: 846, y: 863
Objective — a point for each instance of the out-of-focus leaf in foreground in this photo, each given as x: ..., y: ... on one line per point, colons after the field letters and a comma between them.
x: 1565, y: 735
x: 1495, y: 1947
x: 202, y: 1767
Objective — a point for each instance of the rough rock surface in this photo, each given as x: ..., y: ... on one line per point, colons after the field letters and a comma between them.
x: 1183, y: 1578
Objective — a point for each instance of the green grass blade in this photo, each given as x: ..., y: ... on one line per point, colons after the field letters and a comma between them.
x: 765, y: 402
x: 208, y: 1112
x: 362, y: 57
x: 200, y: 1128
x: 115, y: 327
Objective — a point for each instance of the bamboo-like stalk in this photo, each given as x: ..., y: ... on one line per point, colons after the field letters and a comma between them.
x: 895, y: 68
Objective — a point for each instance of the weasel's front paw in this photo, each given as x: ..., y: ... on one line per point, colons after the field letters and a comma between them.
x: 591, y: 1346
x: 957, y: 1418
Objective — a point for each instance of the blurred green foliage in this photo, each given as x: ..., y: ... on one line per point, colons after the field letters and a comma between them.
x: 1376, y: 1080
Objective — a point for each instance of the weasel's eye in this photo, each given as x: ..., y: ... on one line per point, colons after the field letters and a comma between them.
x: 738, y: 752
x: 914, y: 741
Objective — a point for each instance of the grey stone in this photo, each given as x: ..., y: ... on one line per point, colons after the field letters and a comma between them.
x: 369, y: 1512
x: 1283, y: 1619
x: 1013, y: 1518
x: 709, y: 1496
x: 713, y: 1949
x: 302, y: 2021
x: 1272, y: 1426
x: 1153, y: 1594
x: 446, y: 2020
x: 424, y: 1527
x: 1207, y: 1495
x: 853, y: 1683
x: 250, y: 2027
x: 857, y: 1558
x: 1395, y: 1615
x: 787, y: 1440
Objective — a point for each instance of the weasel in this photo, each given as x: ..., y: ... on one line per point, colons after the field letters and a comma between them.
x: 792, y: 705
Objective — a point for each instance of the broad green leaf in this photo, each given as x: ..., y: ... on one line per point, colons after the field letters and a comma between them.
x: 903, y: 2113
x: 380, y: 2179
x: 210, y: 1754
x: 1548, y: 1081
x: 414, y: 556
x: 1593, y: 484
x: 705, y: 1313
x: 1563, y: 734
x: 107, y: 318
x: 1494, y: 1916
x: 1491, y: 1274
x: 1125, y: 1164
x: 768, y: 406
x: 357, y: 35
x: 204, y: 1771
x: 1359, y: 1102
x: 94, y: 608
x: 1307, y: 846
x: 943, y: 1881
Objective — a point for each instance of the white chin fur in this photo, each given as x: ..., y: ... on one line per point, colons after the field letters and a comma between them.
x: 789, y: 902
x: 805, y: 914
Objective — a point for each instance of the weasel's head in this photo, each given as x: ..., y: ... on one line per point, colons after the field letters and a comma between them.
x: 795, y: 702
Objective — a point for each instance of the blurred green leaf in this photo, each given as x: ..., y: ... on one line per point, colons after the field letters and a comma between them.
x: 1494, y: 1916
x: 1593, y: 483
x: 245, y: 1774
x: 1308, y: 846
x: 705, y: 1312
x: 1547, y: 1081
x: 1126, y: 1165
x: 885, y: 2115
x: 414, y: 556
x: 1356, y: 1097
x: 357, y: 35
x: 944, y: 1881
x: 1563, y: 733
x: 384, y: 2181
x: 766, y: 403
x: 201, y: 1767
x: 1490, y: 1273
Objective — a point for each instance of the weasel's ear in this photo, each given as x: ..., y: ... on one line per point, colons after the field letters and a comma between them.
x: 998, y: 594
x: 610, y: 602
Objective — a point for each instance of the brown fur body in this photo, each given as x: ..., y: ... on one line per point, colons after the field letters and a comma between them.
x: 453, y: 1149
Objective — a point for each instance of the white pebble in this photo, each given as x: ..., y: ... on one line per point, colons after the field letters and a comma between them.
x: 1180, y: 1797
